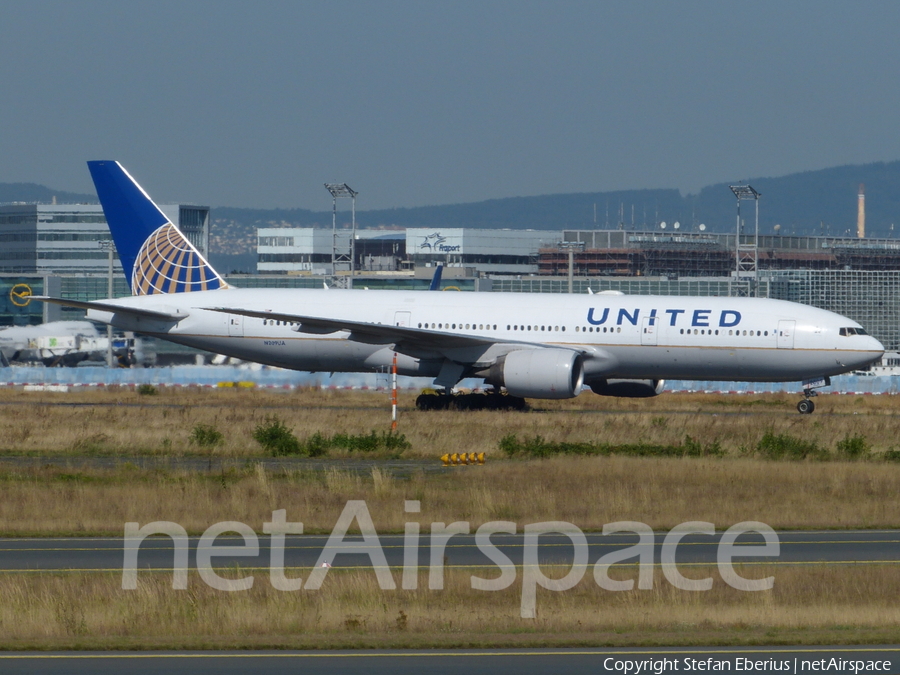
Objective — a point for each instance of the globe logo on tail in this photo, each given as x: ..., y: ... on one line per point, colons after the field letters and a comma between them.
x: 168, y: 263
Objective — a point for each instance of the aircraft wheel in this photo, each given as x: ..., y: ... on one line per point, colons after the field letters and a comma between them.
x: 806, y: 407
x: 426, y: 402
x: 517, y: 403
x: 458, y: 402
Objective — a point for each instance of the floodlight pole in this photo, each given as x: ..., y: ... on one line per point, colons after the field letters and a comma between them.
x: 571, y: 246
x: 109, y: 246
x: 747, y: 255
x: 342, y: 190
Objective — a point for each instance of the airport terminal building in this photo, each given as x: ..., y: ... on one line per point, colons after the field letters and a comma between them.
x: 310, y: 250
x: 65, y: 239
x: 54, y: 249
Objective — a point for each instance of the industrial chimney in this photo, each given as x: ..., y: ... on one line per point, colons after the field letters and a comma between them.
x: 861, y: 213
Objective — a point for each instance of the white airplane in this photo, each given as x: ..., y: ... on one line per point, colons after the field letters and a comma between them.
x: 533, y: 345
x: 38, y: 343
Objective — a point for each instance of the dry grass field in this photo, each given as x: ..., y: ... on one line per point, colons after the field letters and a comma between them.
x: 587, y: 491
x: 122, y: 421
x: 806, y: 606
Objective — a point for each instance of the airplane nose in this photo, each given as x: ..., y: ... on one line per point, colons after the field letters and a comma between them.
x: 876, y: 346
x: 871, y: 352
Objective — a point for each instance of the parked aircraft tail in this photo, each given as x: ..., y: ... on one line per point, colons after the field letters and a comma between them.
x: 156, y: 256
x: 436, y: 279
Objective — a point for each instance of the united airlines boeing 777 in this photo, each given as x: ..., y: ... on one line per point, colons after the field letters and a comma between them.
x: 533, y: 345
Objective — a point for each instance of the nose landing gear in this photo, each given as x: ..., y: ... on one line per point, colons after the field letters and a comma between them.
x: 807, y: 405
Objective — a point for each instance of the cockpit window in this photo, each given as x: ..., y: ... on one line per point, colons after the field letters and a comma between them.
x: 853, y: 331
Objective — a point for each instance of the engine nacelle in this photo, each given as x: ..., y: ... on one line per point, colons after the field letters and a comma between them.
x: 539, y: 373
x: 627, y: 388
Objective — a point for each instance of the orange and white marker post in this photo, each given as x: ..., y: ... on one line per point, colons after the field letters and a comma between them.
x: 394, y: 394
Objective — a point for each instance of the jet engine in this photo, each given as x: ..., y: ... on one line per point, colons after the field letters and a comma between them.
x: 627, y: 388
x: 538, y: 373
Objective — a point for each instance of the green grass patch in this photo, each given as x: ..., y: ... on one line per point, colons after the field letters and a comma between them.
x: 206, y: 436
x: 537, y: 446
x: 785, y: 446
x: 385, y: 444
x: 386, y: 441
x: 278, y: 440
x: 853, y: 447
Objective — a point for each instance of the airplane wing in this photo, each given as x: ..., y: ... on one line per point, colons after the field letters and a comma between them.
x: 414, y: 341
x: 157, y: 314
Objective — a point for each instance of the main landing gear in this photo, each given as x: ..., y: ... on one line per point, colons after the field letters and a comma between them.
x: 493, y: 400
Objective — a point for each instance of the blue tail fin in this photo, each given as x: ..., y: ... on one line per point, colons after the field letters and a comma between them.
x: 436, y: 279
x: 156, y: 256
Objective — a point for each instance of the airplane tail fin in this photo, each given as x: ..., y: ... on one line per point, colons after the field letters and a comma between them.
x: 436, y: 279
x: 155, y: 254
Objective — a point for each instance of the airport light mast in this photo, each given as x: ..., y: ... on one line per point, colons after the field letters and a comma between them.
x: 571, y: 247
x: 338, y: 190
x: 746, y: 255
x: 109, y: 246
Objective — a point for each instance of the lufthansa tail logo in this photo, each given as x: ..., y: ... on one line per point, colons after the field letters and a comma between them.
x: 20, y: 295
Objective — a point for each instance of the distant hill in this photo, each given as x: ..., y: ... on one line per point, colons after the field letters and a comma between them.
x: 812, y: 202
x: 32, y: 192
x: 808, y: 203
x: 547, y: 212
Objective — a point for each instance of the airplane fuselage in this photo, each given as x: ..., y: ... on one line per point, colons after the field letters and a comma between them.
x: 620, y: 336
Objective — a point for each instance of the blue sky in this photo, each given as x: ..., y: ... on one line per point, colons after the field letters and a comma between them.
x: 259, y: 103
